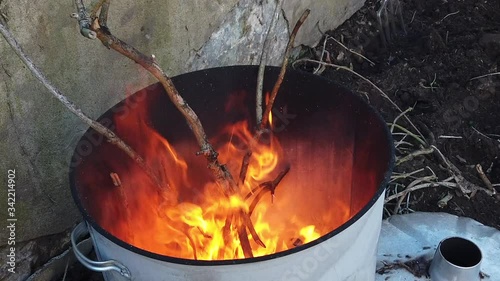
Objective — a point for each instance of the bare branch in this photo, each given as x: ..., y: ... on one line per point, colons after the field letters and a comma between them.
x: 411, y: 156
x: 98, y: 127
x: 222, y: 176
x: 103, y: 15
x: 95, y: 6
x: 485, y: 75
x: 263, y: 60
x: 269, y: 186
x: 225, y: 235
x: 485, y: 179
x: 350, y: 50
x: 244, y: 167
x: 245, y: 217
x: 244, y: 242
x: 277, y: 85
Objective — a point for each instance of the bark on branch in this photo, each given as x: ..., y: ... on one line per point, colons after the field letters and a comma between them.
x: 281, y: 76
x: 263, y: 61
x: 98, y: 127
x: 222, y: 176
x: 262, y: 119
x: 97, y: 28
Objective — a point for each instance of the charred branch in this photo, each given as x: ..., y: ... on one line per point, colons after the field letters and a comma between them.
x: 262, y: 119
x: 220, y: 172
x: 191, y: 243
x: 245, y: 243
x: 244, y: 167
x: 248, y: 222
x: 226, y: 231
x: 222, y: 176
x: 263, y: 188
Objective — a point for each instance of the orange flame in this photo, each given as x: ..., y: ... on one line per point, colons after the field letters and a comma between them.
x: 193, y: 218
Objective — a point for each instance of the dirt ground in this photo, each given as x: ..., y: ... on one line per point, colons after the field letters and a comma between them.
x: 430, y: 65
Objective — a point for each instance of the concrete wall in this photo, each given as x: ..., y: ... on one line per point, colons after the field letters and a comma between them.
x: 38, y: 135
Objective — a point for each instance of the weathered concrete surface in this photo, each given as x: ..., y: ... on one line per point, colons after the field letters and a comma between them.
x: 241, y: 35
x: 38, y: 135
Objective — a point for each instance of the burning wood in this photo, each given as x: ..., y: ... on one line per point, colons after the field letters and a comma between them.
x: 244, y: 166
x: 297, y: 242
x: 93, y: 26
x: 264, y: 187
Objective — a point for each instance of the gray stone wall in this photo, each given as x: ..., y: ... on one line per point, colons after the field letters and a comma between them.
x: 38, y: 135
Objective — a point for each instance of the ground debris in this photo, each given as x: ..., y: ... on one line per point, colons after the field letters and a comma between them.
x: 419, y: 266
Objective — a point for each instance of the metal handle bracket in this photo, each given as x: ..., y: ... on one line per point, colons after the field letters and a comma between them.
x: 100, y: 266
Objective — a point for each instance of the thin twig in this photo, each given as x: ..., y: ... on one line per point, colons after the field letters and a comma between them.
x: 318, y: 70
x: 399, y: 116
x: 98, y: 127
x: 449, y: 137
x: 416, y: 186
x: 485, y: 75
x: 420, y: 140
x: 95, y: 5
x: 226, y: 230
x: 412, y: 17
x: 244, y: 167
x: 450, y: 14
x: 351, y: 50
x: 402, y: 141
x: 244, y: 242
x: 269, y: 186
x: 116, y: 179
x: 103, y: 15
x: 369, y: 82
x: 264, y: 121
x: 222, y: 176
x: 477, y: 131
x: 409, y: 189
x: 246, y: 221
x: 284, y: 65
x: 397, y: 176
x: 411, y: 156
x: 263, y: 61
x: 485, y: 179
x: 465, y: 186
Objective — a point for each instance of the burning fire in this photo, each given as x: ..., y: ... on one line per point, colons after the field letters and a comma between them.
x: 192, y: 218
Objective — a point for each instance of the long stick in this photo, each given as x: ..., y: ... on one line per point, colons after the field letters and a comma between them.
x: 222, y: 176
x: 98, y: 127
x: 263, y: 61
x: 263, y: 118
x: 284, y: 65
